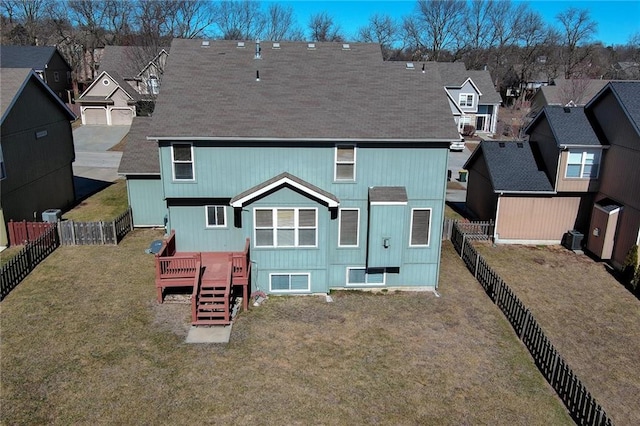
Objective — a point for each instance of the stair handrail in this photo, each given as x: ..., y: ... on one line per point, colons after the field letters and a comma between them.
x: 196, y: 291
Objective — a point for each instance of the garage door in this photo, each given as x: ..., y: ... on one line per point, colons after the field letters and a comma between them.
x: 95, y: 116
x: 121, y: 117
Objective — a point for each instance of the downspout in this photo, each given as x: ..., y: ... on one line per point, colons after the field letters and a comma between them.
x: 495, y: 225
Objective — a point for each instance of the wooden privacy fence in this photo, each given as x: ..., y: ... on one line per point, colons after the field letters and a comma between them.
x: 581, y: 404
x: 25, y: 232
x: 28, y: 258
x: 95, y: 233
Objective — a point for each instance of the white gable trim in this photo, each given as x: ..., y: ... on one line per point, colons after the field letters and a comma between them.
x: 473, y: 84
x: 280, y: 182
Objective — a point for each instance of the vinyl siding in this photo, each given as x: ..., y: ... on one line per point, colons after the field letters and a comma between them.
x: 480, y: 191
x: 146, y: 201
x: 575, y: 184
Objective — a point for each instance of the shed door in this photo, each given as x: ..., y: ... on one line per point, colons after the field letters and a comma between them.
x: 121, y: 116
x: 95, y: 116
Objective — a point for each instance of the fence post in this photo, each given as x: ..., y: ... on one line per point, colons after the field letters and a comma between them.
x: 130, y: 218
x: 115, y: 232
x: 462, y: 247
x: 475, y: 274
x: 73, y: 232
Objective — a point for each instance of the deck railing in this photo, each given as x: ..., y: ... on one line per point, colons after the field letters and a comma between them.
x: 241, y: 262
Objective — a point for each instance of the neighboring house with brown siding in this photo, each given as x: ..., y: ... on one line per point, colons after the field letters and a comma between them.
x: 45, y: 61
x: 36, y: 148
x: 537, y: 190
x: 615, y: 217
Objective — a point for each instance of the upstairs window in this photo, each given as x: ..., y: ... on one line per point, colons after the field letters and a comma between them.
x: 345, y: 163
x: 182, y: 160
x: 583, y: 164
x: 153, y: 85
x: 288, y: 227
x: 216, y: 216
x: 466, y: 100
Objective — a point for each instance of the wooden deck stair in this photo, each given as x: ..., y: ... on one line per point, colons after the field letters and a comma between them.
x: 211, y: 299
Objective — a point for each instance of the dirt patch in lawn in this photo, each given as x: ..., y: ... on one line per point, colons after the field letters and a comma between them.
x: 589, y: 316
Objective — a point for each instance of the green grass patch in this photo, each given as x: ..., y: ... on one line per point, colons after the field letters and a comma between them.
x: 105, y: 205
x: 84, y: 342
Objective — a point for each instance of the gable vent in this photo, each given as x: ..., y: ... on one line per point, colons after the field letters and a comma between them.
x: 241, y: 45
x: 410, y: 66
x: 205, y: 43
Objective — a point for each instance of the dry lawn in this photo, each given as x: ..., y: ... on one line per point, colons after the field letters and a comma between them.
x: 83, y: 342
x: 589, y: 316
x: 105, y: 205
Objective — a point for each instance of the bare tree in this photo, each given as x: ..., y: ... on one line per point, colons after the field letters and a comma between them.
x: 25, y: 18
x: 239, y: 20
x: 191, y: 18
x: 478, y: 36
x: 381, y: 29
x: 532, y: 39
x: 576, y: 28
x: 435, y: 25
x: 118, y: 14
x: 323, y: 28
x: 280, y: 24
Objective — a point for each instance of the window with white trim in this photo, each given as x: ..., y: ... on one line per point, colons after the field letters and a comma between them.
x: 345, y: 163
x: 583, y: 164
x: 182, y: 160
x: 364, y: 276
x: 216, y: 216
x: 348, y: 231
x: 466, y: 100
x: 289, y: 282
x: 420, y: 227
x: 286, y: 227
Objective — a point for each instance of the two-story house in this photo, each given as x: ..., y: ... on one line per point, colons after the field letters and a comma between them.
x: 330, y: 161
x: 46, y: 62
x: 128, y: 82
x: 539, y: 189
x: 36, y: 148
x: 578, y: 171
x: 472, y: 96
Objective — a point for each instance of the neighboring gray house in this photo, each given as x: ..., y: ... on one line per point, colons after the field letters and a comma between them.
x: 46, y: 62
x: 472, y: 96
x: 563, y: 92
x: 36, y: 148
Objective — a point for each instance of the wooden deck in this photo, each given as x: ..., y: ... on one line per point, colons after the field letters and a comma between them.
x: 211, y: 275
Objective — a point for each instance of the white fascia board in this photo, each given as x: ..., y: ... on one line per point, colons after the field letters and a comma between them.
x: 240, y: 202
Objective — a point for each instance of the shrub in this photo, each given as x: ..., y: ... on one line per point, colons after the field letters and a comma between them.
x: 631, y: 269
x: 468, y: 130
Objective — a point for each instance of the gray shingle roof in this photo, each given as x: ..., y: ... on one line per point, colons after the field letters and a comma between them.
x: 570, y: 125
x: 12, y: 81
x: 325, y: 93
x: 127, y: 61
x: 388, y: 194
x: 512, y: 167
x: 628, y: 93
x: 456, y: 73
x: 34, y: 57
x: 85, y: 97
x: 140, y: 155
x: 580, y: 91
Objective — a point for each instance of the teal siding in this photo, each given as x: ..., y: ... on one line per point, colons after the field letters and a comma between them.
x: 222, y: 172
x: 147, y: 201
x: 386, y: 238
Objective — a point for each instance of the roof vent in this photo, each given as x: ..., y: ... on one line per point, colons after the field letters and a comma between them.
x: 311, y: 46
x: 276, y: 46
x: 241, y: 45
x: 501, y: 144
x: 205, y: 43
x: 258, y: 50
x: 422, y: 68
x: 520, y: 145
x: 410, y: 66
x: 346, y: 46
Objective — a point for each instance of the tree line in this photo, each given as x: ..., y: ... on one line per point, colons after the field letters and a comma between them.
x: 510, y: 39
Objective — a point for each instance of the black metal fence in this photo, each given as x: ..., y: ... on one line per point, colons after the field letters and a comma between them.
x: 14, y: 271
x: 581, y: 404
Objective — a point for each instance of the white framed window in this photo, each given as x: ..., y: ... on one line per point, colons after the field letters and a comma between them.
x: 466, y: 100
x: 420, y: 227
x: 216, y: 216
x: 345, y: 163
x: 349, y: 228
x: 289, y: 282
x: 285, y: 227
x: 583, y: 164
x: 360, y: 276
x: 182, y: 161
x: 153, y: 85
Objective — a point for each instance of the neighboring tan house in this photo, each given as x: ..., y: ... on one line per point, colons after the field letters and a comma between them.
x: 46, y: 62
x: 472, y: 96
x: 563, y: 92
x: 538, y: 190
x: 36, y: 148
x: 333, y: 171
x: 615, y: 217
x: 126, y: 86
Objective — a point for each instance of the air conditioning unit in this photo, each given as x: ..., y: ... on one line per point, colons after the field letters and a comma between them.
x: 572, y: 240
x: 51, y: 215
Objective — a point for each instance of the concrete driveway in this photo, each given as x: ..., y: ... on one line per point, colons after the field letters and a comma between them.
x: 95, y: 166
